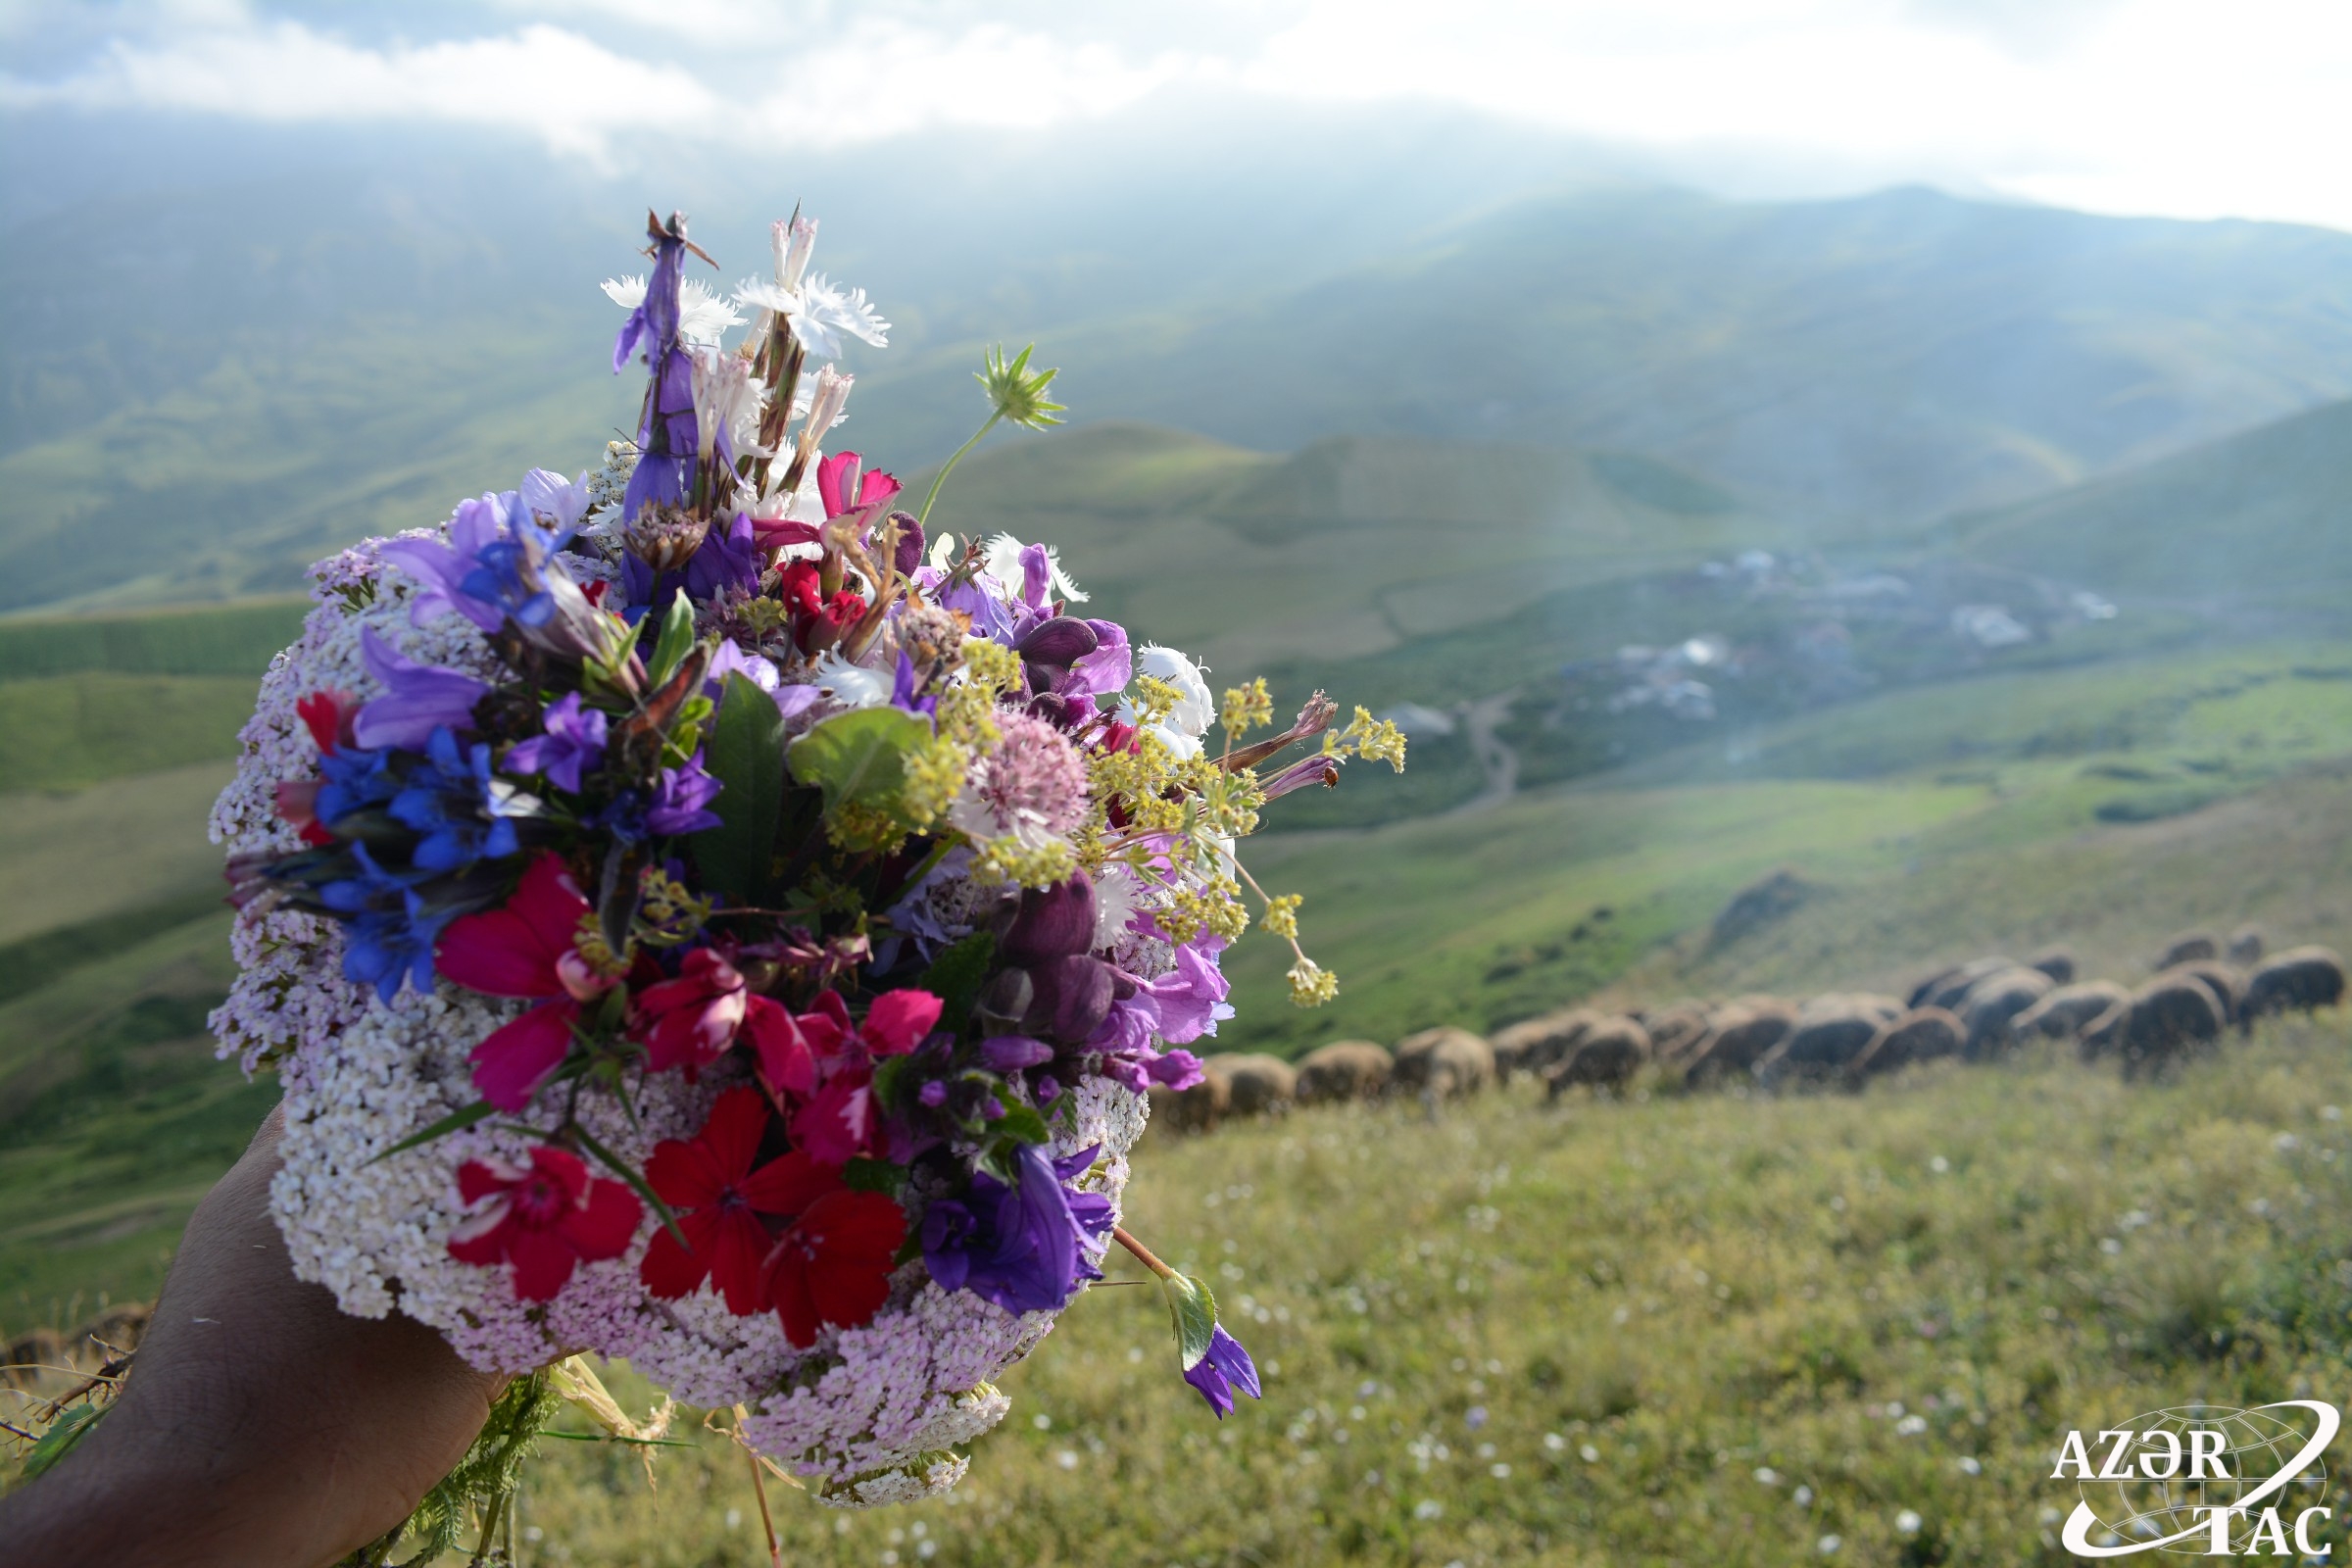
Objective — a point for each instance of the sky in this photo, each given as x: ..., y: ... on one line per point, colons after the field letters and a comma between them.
x: 2178, y: 108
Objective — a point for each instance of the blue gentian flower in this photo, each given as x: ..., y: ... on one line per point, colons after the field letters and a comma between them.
x: 352, y: 778
x: 463, y: 813
x: 388, y: 931
x: 1226, y: 1367
x: 418, y: 700
x: 1020, y: 1247
x: 572, y: 739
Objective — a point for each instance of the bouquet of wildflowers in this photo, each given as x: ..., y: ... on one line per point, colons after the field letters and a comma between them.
x: 701, y: 915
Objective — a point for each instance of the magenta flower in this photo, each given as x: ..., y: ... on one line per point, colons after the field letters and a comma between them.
x: 526, y: 949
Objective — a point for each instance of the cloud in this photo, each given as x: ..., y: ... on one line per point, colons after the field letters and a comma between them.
x: 555, y: 86
x: 2173, y: 107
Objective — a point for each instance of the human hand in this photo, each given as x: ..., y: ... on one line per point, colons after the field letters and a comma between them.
x: 259, y: 1426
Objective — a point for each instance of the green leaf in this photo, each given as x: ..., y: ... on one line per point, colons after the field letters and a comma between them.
x: 1195, y: 1311
x: 1022, y: 1125
x: 956, y: 975
x: 65, y: 1431
x: 746, y: 755
x: 672, y: 645
x: 874, y: 1176
x: 455, y: 1121
x: 859, y: 758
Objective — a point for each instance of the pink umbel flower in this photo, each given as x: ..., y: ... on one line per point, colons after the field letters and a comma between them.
x: 525, y: 950
x: 1031, y: 787
x: 545, y: 1218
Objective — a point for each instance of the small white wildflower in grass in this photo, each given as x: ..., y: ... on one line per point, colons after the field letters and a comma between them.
x: 1940, y: 1165
x: 1972, y: 1466
x: 1911, y: 1426
x: 1765, y: 1475
x: 1042, y: 1421
x: 1500, y: 1471
x: 1553, y: 1443
x: 1802, y: 1497
x: 1831, y: 1543
x: 1590, y: 1453
x: 1429, y: 1509
x: 1068, y: 1459
x: 1907, y: 1522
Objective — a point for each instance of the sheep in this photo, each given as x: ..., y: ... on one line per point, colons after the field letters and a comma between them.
x: 1830, y: 1033
x: 1744, y: 1033
x: 2188, y: 949
x: 1995, y: 999
x: 1262, y: 1085
x: 1197, y: 1109
x: 1443, y: 1063
x: 2296, y: 980
x: 2064, y: 1012
x: 2165, y: 1019
x: 1533, y: 1046
x: 2056, y: 963
x: 1612, y: 1052
x: 1923, y: 1034
x: 1345, y: 1069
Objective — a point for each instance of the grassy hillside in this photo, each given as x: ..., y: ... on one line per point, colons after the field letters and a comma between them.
x: 1346, y: 549
x: 2241, y: 525
x: 1699, y: 1331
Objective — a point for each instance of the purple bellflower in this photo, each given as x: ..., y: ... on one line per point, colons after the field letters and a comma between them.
x: 1226, y: 1367
x: 1021, y: 1246
x: 573, y: 738
x: 418, y: 699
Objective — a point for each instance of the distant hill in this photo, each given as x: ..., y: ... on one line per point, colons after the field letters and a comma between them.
x: 1884, y: 358
x: 2262, y: 519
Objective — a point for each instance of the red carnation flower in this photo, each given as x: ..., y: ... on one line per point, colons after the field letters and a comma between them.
x: 719, y: 1198
x: 545, y: 1218
x: 834, y: 1264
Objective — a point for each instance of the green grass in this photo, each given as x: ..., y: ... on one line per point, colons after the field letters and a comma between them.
x: 217, y: 640
x: 123, y: 845
x: 1575, y: 1335
x: 64, y: 731
x: 113, y: 1118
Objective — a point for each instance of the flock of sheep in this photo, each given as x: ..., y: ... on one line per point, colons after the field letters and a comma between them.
x: 1975, y: 1012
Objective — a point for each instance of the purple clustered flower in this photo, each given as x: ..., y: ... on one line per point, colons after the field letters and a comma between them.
x: 680, y: 797
x: 572, y: 738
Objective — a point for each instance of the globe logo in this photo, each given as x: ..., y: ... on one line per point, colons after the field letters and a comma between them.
x: 2201, y: 1480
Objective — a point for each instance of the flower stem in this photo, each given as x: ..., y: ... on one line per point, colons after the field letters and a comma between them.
x: 767, y: 1521
x: 1143, y: 1253
x: 924, y: 516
